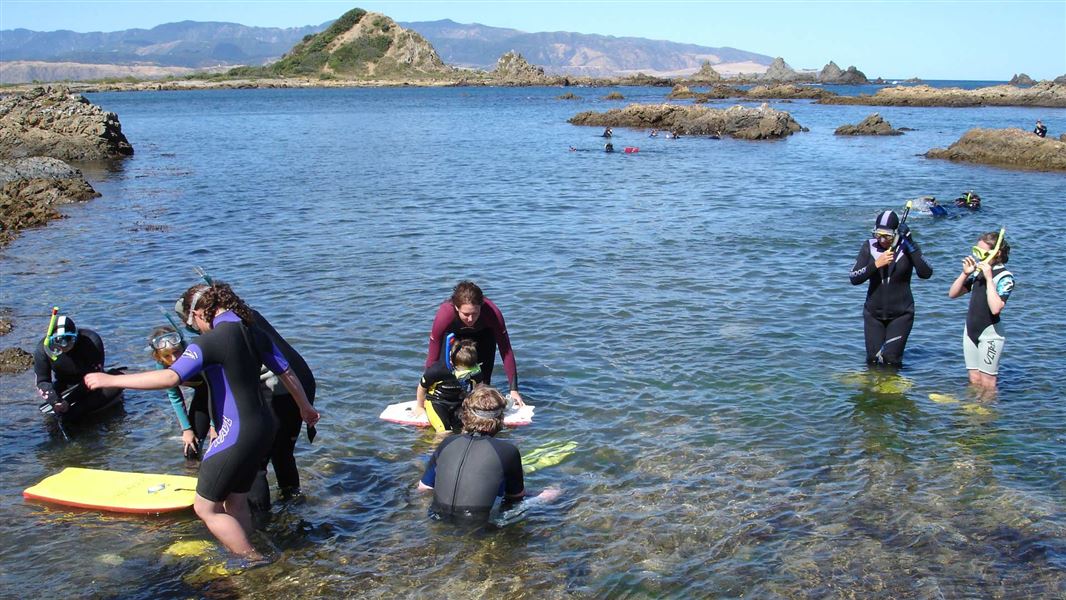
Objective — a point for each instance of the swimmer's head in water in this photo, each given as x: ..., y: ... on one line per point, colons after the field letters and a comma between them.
x: 482, y: 411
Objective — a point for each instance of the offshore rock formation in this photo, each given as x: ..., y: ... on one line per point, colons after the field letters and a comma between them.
x: 780, y: 71
x: 1045, y: 93
x: 739, y: 122
x: 53, y: 122
x: 706, y: 74
x: 680, y: 92
x: 832, y: 74
x: 31, y: 190
x: 1021, y: 79
x: 513, y: 69
x: 871, y: 125
x: 360, y: 45
x: 1061, y: 79
x: 1012, y: 148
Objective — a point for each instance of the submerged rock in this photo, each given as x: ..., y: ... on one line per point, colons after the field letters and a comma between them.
x: 1012, y: 148
x: 50, y: 121
x: 30, y: 190
x: 738, y: 121
x: 1044, y: 93
x: 871, y: 125
x: 14, y: 360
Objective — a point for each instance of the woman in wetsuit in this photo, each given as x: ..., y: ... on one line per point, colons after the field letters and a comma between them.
x: 888, y: 313
x: 229, y: 354
x: 470, y: 315
x: 985, y: 276
x: 68, y: 354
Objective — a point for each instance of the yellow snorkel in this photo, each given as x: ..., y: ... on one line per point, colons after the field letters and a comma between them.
x: 51, y: 330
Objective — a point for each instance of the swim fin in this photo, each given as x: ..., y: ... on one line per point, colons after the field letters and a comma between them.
x: 548, y: 455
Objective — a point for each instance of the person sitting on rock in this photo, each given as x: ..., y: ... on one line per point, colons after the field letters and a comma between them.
x: 1041, y: 129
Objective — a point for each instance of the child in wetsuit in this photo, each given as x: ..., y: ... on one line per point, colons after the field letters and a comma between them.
x: 166, y: 345
x: 447, y: 382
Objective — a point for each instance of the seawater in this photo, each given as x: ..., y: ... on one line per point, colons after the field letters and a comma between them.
x: 684, y: 313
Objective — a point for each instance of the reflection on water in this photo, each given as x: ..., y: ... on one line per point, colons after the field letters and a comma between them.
x: 683, y: 314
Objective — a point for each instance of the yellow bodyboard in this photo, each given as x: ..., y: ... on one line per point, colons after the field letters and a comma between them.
x: 116, y: 491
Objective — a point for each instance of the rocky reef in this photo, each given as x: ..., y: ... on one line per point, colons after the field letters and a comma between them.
x: 1045, y: 93
x: 871, y: 125
x: 739, y: 122
x: 786, y: 91
x: 1011, y: 148
x: 50, y: 121
x: 31, y: 190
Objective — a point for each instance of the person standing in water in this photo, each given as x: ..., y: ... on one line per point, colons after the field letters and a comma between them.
x: 986, y: 278
x: 888, y: 313
x: 229, y: 354
x: 470, y: 315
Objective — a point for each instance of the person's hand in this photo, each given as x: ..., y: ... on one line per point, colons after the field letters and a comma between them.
x: 309, y: 415
x: 418, y: 411
x: 517, y: 398
x: 61, y: 407
x: 188, y: 441
x: 885, y: 259
x: 95, y: 381
x: 212, y: 434
x: 904, y: 231
x: 969, y: 265
x: 986, y: 269
x: 550, y: 494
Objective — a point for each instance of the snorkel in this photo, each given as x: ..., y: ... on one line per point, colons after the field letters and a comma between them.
x: 48, y: 334
x: 991, y: 254
x: 896, y: 239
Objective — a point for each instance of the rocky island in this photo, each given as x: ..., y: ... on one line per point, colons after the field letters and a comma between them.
x: 1011, y: 148
x: 740, y: 122
x: 1045, y: 93
x: 871, y: 125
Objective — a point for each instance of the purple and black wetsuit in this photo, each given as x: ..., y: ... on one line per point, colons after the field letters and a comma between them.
x: 230, y: 356
x: 489, y: 331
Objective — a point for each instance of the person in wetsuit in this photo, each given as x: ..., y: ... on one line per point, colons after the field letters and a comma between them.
x: 68, y: 355
x: 446, y: 383
x: 468, y: 472
x: 167, y: 345
x: 229, y: 354
x: 888, y: 313
x: 470, y: 315
x: 985, y: 276
x: 1040, y: 129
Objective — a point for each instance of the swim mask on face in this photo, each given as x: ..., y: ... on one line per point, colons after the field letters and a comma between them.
x: 466, y: 374
x: 62, y: 342
x: 980, y: 253
x: 170, y: 339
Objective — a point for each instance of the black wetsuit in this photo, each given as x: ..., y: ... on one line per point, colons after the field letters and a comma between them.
x: 468, y: 472
x: 446, y: 393
x: 888, y: 313
x: 230, y: 356
x: 285, y: 409
x: 1040, y: 130
x: 87, y: 356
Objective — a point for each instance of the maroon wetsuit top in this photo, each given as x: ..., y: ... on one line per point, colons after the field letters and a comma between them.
x: 490, y: 321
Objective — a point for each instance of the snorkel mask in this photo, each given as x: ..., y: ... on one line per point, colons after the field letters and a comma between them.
x: 464, y: 375
x: 166, y: 341
x: 61, y: 342
x: 980, y: 254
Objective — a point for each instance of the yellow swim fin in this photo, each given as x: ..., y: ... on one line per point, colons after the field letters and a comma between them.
x: 943, y: 398
x: 188, y: 548
x: 547, y: 455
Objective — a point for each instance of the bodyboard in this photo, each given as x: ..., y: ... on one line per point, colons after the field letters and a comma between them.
x: 403, y: 414
x: 116, y: 491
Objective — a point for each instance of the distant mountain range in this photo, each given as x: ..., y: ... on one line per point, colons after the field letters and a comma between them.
x: 200, y: 45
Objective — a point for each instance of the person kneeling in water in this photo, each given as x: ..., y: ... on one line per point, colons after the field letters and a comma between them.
x: 68, y: 354
x: 468, y: 472
x: 446, y: 386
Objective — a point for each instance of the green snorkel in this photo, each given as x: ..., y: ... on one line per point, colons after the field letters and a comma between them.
x: 49, y: 332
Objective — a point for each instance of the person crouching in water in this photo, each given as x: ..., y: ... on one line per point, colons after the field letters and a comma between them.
x: 68, y: 354
x: 229, y: 354
x: 445, y: 387
x: 468, y: 472
x: 986, y: 276
x: 167, y: 345
x: 888, y: 313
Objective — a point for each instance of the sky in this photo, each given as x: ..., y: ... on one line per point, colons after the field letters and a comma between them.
x: 931, y: 39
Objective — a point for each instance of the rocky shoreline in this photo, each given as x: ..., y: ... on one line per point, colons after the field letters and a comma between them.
x: 1011, y: 148
x: 739, y: 122
x: 1045, y: 94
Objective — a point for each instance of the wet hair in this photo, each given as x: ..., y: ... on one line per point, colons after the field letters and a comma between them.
x: 463, y: 352
x: 483, y: 401
x: 467, y: 292
x: 990, y: 238
x: 214, y: 297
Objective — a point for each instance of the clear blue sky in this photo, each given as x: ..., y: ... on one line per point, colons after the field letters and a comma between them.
x: 932, y: 39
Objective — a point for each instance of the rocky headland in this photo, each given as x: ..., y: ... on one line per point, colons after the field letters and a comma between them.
x: 871, y: 125
x: 1011, y: 148
x: 50, y: 121
x: 763, y: 123
x: 1045, y: 93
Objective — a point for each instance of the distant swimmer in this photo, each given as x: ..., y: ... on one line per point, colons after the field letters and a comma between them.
x: 607, y: 132
x: 654, y: 133
x: 930, y: 205
x: 573, y: 149
x: 886, y: 261
x: 969, y: 200
x: 986, y: 278
x: 468, y: 472
x: 1041, y: 129
x: 608, y: 147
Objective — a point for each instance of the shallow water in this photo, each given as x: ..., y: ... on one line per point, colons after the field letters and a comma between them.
x: 683, y: 312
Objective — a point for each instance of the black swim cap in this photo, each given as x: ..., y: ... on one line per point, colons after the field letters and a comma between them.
x: 65, y: 325
x: 886, y: 222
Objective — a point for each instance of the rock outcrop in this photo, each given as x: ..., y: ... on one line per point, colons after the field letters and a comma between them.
x: 680, y: 92
x: 783, y: 91
x: 1021, y: 79
x: 513, y: 69
x: 1012, y: 148
x: 871, y: 125
x: 14, y: 360
x: 831, y: 74
x: 359, y: 45
x: 779, y: 71
x: 706, y: 74
x: 50, y: 121
x: 739, y: 122
x: 1061, y: 79
x: 1045, y: 93
x: 30, y: 190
